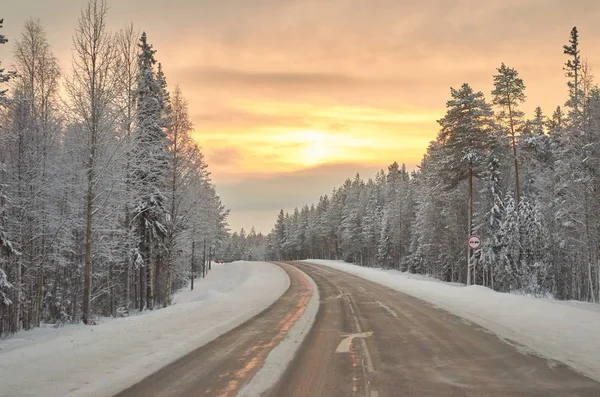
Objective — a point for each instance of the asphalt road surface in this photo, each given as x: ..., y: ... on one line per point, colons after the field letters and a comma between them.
x: 367, y: 341
x: 414, y: 350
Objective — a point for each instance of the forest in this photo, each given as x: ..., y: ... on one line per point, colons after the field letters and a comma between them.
x: 529, y: 187
x: 106, y: 202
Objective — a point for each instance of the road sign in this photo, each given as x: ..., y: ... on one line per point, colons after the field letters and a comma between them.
x: 474, y: 242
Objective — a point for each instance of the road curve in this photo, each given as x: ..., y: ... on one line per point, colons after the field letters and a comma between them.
x: 369, y: 340
x: 223, y: 366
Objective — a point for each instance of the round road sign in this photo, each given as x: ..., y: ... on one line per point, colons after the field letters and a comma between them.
x: 474, y: 242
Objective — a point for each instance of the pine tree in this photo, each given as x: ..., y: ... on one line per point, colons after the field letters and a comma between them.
x: 4, y: 76
x: 573, y: 72
x: 6, y: 246
x: 508, y: 94
x: 465, y: 135
x: 371, y: 229
x: 384, y: 247
x: 279, y: 234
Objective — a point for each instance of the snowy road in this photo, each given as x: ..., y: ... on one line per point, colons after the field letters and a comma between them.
x: 245, y: 361
x: 369, y: 340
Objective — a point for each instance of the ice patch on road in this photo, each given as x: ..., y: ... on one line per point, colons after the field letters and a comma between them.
x: 568, y: 332
x: 280, y: 357
x: 102, y: 360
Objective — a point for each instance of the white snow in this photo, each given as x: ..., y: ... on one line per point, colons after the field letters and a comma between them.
x: 280, y: 357
x: 101, y: 360
x: 568, y: 332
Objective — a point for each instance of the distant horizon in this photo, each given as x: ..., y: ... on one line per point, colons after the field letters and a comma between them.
x: 299, y: 200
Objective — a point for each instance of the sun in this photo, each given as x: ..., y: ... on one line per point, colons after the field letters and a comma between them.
x: 313, y: 147
x: 318, y: 147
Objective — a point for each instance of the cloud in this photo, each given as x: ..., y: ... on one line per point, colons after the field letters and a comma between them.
x: 377, y: 69
x: 288, y: 189
x: 231, y: 116
x: 216, y: 75
x: 225, y: 156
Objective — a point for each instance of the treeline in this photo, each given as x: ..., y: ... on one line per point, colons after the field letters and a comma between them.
x: 244, y: 246
x: 103, y: 192
x: 529, y: 187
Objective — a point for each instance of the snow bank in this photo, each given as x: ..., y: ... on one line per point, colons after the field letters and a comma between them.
x: 101, y: 360
x: 564, y: 331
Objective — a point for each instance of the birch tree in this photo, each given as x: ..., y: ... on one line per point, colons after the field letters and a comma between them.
x: 92, y: 93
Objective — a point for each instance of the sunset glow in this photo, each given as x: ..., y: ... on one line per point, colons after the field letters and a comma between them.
x: 282, y: 90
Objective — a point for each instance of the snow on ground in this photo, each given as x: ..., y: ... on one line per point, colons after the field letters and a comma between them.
x: 101, y: 360
x: 568, y: 332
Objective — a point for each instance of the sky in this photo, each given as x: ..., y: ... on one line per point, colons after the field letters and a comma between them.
x: 291, y: 97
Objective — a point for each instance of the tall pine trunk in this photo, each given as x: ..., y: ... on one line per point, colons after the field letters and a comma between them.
x: 516, y: 160
x: 470, y: 221
x: 149, y: 270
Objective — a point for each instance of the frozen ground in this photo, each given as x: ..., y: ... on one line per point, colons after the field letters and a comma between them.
x: 101, y: 360
x: 568, y: 332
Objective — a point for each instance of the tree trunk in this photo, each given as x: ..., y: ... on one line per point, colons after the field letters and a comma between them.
x: 470, y: 215
x: 149, y: 272
x: 517, y: 183
x: 192, y: 264
x: 204, y: 255
x: 141, y: 290
x: 514, y: 146
x: 157, y: 281
x: 169, y: 276
x: 87, y: 272
x: 18, y: 294
x: 40, y: 298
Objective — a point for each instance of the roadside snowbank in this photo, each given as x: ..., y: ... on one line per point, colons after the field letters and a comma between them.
x: 568, y: 332
x: 101, y: 360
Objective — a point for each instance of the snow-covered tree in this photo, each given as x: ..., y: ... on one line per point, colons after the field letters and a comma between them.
x: 149, y: 167
x: 71, y: 176
x: 541, y: 234
x: 508, y: 94
x: 92, y: 89
x: 489, y: 221
x: 465, y: 136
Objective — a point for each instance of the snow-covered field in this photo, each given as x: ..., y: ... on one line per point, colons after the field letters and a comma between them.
x: 568, y: 332
x: 101, y: 360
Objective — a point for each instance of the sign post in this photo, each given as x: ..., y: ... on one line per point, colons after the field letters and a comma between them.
x: 474, y: 244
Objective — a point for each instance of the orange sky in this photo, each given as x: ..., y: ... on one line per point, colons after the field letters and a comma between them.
x: 290, y: 97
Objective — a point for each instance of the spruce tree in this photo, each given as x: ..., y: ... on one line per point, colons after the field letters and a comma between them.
x: 150, y: 163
